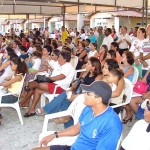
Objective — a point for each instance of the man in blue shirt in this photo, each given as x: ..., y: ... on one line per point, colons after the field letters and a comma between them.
x: 99, y: 127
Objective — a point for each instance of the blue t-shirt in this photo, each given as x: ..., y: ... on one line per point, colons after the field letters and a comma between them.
x: 98, y: 133
x: 92, y: 39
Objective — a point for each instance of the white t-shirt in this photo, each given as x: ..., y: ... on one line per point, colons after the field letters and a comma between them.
x: 107, y: 41
x: 30, y: 50
x: 91, y: 53
x: 17, y: 51
x: 53, y: 64
x: 82, y: 36
x: 123, y: 44
x: 146, y: 50
x: 67, y: 70
x: 138, y: 138
x: 136, y: 47
x: 36, y: 63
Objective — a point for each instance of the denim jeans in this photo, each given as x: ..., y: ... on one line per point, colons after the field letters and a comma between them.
x: 9, y: 99
x: 59, y: 103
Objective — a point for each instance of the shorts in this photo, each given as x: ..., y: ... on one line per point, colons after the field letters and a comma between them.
x: 51, y: 87
x: 60, y: 147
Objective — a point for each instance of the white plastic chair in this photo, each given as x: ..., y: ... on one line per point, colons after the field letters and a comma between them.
x: 14, y: 105
x: 74, y: 111
x: 135, y: 76
x: 74, y: 61
x: 77, y: 71
x: 128, y: 90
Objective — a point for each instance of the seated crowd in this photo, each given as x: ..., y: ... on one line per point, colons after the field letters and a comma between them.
x: 49, y: 63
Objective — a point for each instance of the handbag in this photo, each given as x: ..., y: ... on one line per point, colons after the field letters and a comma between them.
x: 78, y: 89
x: 140, y: 87
x: 43, y: 78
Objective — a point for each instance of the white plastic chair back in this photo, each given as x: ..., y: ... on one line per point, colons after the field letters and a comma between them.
x: 74, y: 61
x: 135, y: 76
x: 76, y: 107
x: 128, y: 90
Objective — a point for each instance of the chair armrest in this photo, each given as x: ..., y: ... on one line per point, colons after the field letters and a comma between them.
x: 54, y: 115
x: 77, y: 71
x: 119, y: 105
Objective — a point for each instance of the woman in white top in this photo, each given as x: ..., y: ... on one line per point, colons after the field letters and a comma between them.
x: 93, y: 51
x: 5, y: 67
x: 36, y: 62
x: 137, y: 44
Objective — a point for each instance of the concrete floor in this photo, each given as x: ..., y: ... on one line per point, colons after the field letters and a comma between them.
x: 14, y: 136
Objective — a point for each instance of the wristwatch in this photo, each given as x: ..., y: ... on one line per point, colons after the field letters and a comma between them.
x: 56, y: 134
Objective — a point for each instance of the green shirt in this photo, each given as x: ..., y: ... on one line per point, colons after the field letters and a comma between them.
x: 100, y: 41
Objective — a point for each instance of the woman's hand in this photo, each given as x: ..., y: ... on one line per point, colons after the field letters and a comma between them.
x: 47, y: 139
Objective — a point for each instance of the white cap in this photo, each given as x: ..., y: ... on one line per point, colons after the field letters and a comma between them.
x: 143, y: 105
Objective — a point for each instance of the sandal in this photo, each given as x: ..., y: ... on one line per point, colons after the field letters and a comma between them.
x: 29, y: 114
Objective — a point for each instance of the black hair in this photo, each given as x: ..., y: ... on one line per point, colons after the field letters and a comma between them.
x: 143, y: 30
x: 66, y: 55
x: 112, y: 64
x: 109, y: 30
x: 117, y: 72
x: 115, y: 44
x: 49, y: 48
x: 54, y: 45
x: 88, y: 40
x: 10, y: 51
x: 23, y: 48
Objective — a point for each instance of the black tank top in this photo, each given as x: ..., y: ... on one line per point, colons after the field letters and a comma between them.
x: 88, y: 80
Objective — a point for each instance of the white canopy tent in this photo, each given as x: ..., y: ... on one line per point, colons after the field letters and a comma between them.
x: 55, y: 7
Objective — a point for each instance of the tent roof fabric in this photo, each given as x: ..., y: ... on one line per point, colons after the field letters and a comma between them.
x: 56, y: 7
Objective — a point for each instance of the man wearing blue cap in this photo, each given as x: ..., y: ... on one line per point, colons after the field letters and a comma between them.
x: 99, y: 127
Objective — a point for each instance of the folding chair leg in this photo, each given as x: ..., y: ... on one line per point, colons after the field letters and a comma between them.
x: 43, y: 99
x: 16, y: 106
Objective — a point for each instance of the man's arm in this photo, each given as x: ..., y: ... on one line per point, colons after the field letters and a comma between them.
x: 71, y: 131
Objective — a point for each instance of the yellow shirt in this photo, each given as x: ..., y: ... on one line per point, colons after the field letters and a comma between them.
x: 64, y: 35
x: 15, y: 86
